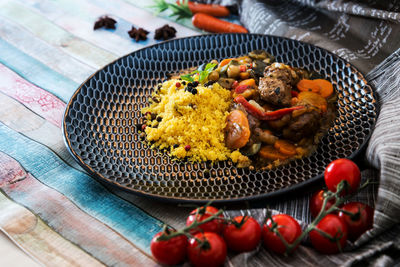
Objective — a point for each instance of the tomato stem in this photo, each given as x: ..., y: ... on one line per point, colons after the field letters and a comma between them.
x: 186, y: 230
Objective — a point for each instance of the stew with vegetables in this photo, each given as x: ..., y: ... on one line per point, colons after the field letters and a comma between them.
x: 278, y: 112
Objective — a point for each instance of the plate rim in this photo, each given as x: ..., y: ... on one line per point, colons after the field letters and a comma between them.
x: 171, y: 199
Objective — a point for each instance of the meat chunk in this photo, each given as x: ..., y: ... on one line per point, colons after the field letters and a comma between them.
x: 275, y: 91
x: 302, y: 126
x: 281, y: 72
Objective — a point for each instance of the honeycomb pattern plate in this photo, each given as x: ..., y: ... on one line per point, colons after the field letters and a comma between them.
x: 102, y: 121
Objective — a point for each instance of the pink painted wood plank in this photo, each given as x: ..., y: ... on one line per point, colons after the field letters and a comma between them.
x: 38, y: 100
x: 67, y: 219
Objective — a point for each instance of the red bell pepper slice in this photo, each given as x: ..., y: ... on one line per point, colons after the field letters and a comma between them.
x: 241, y: 88
x: 266, y: 116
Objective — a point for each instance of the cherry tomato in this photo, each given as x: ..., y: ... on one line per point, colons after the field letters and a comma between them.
x: 210, y: 254
x: 170, y: 252
x: 342, y: 169
x: 360, y: 222
x: 333, y: 226
x: 316, y: 202
x: 288, y: 227
x: 203, y: 213
x: 243, y: 238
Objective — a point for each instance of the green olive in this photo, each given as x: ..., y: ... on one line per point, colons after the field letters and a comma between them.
x: 213, y: 76
x: 233, y: 71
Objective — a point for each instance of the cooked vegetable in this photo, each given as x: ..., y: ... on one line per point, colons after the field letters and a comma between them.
x: 326, y: 88
x: 226, y: 82
x: 233, y: 71
x: 269, y: 152
x: 212, y: 24
x: 285, y: 147
x: 313, y: 99
x: 237, y: 131
x: 273, y: 115
x: 305, y: 85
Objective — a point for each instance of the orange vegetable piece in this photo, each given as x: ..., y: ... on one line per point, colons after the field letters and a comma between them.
x: 244, y: 75
x: 326, y: 87
x: 270, y: 152
x: 285, y: 147
x: 225, y: 62
x: 237, y: 130
x: 305, y: 85
x: 248, y: 82
x: 313, y: 99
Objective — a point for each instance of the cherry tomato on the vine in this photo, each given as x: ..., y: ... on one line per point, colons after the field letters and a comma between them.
x: 203, y: 213
x: 342, y: 169
x: 288, y: 227
x: 170, y: 252
x: 332, y: 225
x: 242, y: 238
x: 360, y: 221
x: 211, y: 253
x: 316, y: 202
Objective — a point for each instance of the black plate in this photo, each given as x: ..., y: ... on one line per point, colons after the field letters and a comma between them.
x: 100, y: 123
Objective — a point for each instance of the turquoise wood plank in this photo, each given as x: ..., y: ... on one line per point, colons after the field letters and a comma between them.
x: 54, y: 35
x: 47, y: 54
x: 125, y: 218
x: 36, y: 72
x: 66, y: 218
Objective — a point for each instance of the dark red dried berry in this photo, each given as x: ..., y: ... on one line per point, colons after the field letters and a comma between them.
x: 178, y: 84
x: 187, y: 147
x: 105, y: 22
x: 144, y: 126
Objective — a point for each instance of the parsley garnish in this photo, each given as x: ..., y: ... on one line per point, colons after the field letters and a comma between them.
x: 202, y: 74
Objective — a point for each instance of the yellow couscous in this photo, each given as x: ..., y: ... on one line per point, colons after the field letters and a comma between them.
x: 190, y: 125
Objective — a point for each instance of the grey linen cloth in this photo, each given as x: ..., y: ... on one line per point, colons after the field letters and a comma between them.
x: 365, y: 33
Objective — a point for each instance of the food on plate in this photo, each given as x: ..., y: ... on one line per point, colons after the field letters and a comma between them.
x: 250, y: 109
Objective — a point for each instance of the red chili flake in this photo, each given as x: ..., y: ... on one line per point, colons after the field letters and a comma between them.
x: 144, y: 126
x: 178, y: 84
x: 106, y: 22
x: 187, y: 147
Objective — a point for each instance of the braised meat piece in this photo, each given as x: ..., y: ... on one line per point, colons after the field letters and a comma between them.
x: 302, y: 126
x: 281, y: 72
x: 275, y: 91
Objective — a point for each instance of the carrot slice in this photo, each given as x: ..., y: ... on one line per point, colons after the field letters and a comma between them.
x: 308, y: 86
x: 313, y: 99
x: 285, y: 147
x: 270, y: 152
x: 326, y: 87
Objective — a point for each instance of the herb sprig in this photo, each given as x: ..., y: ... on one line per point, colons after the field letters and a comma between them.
x: 203, y: 74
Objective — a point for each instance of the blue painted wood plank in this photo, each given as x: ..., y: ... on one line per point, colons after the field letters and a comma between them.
x: 125, y: 218
x: 36, y: 72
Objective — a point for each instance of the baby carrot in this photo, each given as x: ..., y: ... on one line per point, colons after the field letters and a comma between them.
x: 210, y: 9
x: 212, y: 24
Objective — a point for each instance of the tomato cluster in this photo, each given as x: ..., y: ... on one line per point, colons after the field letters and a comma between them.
x: 209, y: 234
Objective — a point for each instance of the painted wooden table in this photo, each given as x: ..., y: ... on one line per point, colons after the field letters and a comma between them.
x: 49, y: 206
